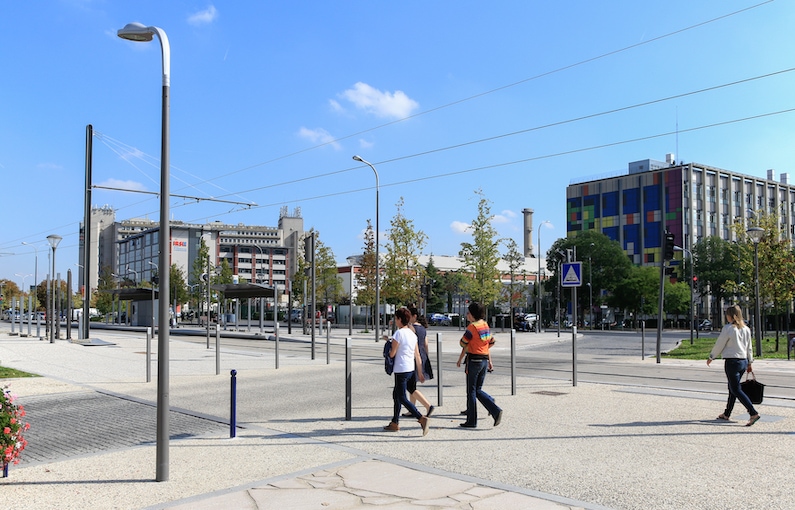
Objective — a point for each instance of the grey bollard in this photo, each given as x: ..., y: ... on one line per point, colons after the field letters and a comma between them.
x: 513, y: 362
x: 439, y: 371
x: 348, y: 379
x: 217, y: 351
x: 149, y: 354
x: 233, y: 405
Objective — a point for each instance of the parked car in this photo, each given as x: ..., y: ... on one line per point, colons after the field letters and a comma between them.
x: 295, y: 316
x: 437, y: 319
x: 525, y: 321
x: 705, y: 325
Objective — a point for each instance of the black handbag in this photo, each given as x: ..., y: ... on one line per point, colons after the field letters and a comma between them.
x: 753, y: 388
x: 428, y: 368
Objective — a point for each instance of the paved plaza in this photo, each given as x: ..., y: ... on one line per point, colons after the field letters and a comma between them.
x: 92, y: 440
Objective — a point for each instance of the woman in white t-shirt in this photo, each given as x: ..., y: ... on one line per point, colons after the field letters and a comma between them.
x: 407, y: 360
x: 734, y: 346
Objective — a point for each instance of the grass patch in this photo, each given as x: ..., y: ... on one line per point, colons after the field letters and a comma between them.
x: 11, y: 373
x: 703, y: 345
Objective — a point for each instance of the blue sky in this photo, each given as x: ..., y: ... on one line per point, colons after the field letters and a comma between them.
x: 270, y: 101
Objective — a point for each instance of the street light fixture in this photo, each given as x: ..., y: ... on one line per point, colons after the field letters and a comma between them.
x: 377, y: 262
x: 756, y: 234
x: 35, y: 280
x: 139, y: 32
x: 538, y: 280
x: 53, y: 239
x: 692, y: 285
x: 157, y: 270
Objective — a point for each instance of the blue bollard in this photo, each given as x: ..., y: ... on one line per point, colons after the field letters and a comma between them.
x: 233, y: 405
x: 5, y: 470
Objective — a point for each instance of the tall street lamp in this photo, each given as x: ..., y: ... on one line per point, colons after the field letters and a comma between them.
x: 157, y: 271
x: 538, y: 280
x: 35, y: 280
x: 377, y: 261
x: 53, y: 239
x: 692, y: 284
x: 756, y: 234
x: 139, y: 32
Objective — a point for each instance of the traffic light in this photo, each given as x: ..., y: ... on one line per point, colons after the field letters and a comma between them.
x: 668, y: 249
x: 309, y: 248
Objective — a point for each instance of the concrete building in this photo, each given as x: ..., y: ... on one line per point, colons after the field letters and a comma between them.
x: 691, y: 200
x: 258, y: 254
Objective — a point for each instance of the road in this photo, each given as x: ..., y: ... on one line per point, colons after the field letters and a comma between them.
x: 606, y: 357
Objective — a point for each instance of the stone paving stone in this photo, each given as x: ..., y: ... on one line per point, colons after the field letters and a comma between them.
x: 72, y: 424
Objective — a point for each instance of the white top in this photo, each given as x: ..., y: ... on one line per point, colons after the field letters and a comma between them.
x: 733, y: 343
x: 407, y: 343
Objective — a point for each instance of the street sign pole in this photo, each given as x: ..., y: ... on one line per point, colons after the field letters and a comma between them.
x: 572, y: 277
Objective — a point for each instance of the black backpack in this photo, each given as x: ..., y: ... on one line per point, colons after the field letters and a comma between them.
x: 389, y: 362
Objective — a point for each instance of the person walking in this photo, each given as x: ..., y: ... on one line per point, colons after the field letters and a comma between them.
x: 407, y: 362
x: 477, y: 342
x: 419, y: 326
x: 734, y: 346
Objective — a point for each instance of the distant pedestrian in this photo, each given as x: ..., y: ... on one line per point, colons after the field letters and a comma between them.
x: 734, y: 346
x: 407, y: 361
x: 418, y: 325
x: 477, y: 342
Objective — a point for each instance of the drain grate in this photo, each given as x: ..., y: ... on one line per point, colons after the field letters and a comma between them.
x: 549, y: 393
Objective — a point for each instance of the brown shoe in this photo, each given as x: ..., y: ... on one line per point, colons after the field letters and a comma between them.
x: 424, y: 423
x: 392, y: 427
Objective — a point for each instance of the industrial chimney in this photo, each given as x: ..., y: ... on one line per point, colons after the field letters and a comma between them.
x: 528, y: 232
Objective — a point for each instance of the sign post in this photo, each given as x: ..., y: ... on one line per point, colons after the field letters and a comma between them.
x: 572, y: 277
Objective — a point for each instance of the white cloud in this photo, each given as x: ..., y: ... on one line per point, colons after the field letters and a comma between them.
x: 204, y: 17
x: 395, y: 105
x: 505, y: 216
x: 335, y: 106
x: 318, y: 136
x: 459, y: 227
x: 364, y: 144
x: 49, y: 166
x: 118, y: 183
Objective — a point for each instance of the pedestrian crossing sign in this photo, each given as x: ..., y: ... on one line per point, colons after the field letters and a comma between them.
x: 572, y: 274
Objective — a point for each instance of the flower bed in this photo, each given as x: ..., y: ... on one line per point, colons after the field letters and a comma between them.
x: 11, y: 428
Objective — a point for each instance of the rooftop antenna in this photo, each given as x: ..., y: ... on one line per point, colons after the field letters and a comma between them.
x: 677, y: 133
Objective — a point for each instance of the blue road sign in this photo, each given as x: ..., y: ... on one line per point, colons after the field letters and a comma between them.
x: 572, y: 274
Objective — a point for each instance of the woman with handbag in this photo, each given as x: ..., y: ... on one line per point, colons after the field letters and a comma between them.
x: 407, y: 362
x: 419, y: 326
x: 734, y: 346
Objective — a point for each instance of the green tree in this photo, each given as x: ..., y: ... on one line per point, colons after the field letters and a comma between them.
x: 604, y: 265
x: 103, y: 299
x: 714, y: 263
x: 677, y: 299
x: 179, y: 291
x: 329, y: 287
x: 365, y: 278
x: 451, y: 283
x: 481, y: 256
x: 402, y: 272
x: 434, y: 303
x: 638, y: 292
x: 513, y: 293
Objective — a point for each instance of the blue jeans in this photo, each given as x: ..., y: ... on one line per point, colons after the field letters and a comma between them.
x: 735, y: 368
x: 399, y: 396
x: 476, y: 374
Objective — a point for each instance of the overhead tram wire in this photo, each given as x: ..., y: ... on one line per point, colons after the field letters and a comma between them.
x: 491, y: 91
x: 535, y: 128
x: 527, y: 160
x: 504, y: 87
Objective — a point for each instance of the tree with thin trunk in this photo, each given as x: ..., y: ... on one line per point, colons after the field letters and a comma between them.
x: 480, y: 257
x: 403, y: 273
